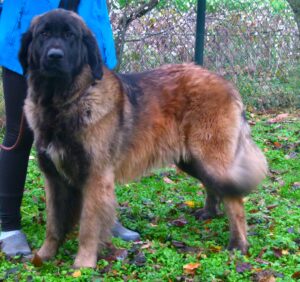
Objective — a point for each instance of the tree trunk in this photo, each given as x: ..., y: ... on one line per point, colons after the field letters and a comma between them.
x: 295, y: 5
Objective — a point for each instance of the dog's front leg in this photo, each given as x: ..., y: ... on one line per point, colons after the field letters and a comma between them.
x: 63, y: 207
x: 97, y: 217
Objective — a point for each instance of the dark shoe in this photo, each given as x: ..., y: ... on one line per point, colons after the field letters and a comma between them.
x: 15, y: 245
x: 126, y: 234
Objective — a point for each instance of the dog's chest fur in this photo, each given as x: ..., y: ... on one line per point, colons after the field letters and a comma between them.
x: 56, y: 137
x: 62, y: 150
x: 57, y: 154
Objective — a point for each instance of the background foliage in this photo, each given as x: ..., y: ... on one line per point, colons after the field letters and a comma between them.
x: 255, y: 43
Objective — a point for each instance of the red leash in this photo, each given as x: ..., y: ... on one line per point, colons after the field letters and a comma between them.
x: 6, y: 148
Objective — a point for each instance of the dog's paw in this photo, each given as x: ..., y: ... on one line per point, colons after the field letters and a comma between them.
x: 239, y: 245
x: 45, y: 254
x: 204, y: 214
x: 48, y: 250
x: 84, y: 263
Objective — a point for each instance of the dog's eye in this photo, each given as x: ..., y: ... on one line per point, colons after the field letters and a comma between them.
x: 68, y: 34
x: 45, y: 34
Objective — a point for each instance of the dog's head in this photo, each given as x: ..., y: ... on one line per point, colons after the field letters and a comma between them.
x: 58, y: 44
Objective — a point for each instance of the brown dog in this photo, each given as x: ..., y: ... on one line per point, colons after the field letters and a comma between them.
x: 93, y: 128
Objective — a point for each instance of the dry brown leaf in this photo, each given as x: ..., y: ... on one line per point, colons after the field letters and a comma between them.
x: 278, y: 118
x: 277, y: 144
x: 215, y: 249
x: 147, y: 245
x: 190, y: 204
x: 191, y: 268
x: 272, y: 207
x: 168, y: 180
x: 296, y: 275
x: 264, y: 276
x: 76, y: 274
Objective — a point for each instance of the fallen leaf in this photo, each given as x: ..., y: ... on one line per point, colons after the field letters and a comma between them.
x: 191, y: 268
x: 262, y: 261
x: 76, y: 274
x: 257, y: 269
x: 114, y: 272
x: 264, y: 276
x: 178, y: 244
x: 291, y: 155
x: 147, y: 245
x: 254, y: 211
x: 116, y: 254
x: 179, y: 222
x: 296, y: 186
x: 272, y: 207
x: 278, y: 118
x: 207, y: 221
x: 36, y: 260
x: 215, y: 249
x: 296, y: 275
x: 139, y: 259
x: 277, y: 144
x: 277, y: 252
x: 263, y: 250
x: 168, y: 180
x: 243, y: 266
x: 190, y: 204
x: 201, y: 255
x: 121, y: 254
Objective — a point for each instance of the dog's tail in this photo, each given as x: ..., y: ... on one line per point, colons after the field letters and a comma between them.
x: 250, y: 166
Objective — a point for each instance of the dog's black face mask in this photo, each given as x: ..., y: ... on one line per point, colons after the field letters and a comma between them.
x: 59, y: 44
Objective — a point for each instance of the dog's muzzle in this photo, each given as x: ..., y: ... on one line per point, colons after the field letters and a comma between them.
x: 54, y: 62
x: 55, y: 54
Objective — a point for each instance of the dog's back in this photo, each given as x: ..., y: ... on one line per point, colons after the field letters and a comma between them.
x: 186, y: 114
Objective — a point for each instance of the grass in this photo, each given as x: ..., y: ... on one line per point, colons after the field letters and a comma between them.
x: 161, y: 208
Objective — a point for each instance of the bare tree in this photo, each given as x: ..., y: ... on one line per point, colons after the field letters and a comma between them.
x: 129, y: 14
x: 295, y: 5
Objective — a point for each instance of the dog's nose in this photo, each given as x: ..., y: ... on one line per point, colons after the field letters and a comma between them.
x: 55, y: 54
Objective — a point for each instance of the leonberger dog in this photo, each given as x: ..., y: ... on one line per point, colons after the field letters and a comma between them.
x: 94, y: 128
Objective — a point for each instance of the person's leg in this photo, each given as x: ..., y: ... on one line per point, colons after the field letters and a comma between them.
x: 126, y: 234
x: 13, y: 164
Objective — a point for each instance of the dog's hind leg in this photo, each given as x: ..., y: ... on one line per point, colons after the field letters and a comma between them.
x: 216, y: 193
x: 234, y: 207
x: 211, y: 208
x: 97, y: 216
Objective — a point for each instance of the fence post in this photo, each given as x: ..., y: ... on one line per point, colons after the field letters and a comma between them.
x: 200, y: 32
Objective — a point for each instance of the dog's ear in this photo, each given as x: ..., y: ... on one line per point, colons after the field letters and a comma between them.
x: 23, y: 53
x: 94, y: 57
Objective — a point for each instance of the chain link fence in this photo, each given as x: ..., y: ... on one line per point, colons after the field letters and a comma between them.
x: 254, y: 43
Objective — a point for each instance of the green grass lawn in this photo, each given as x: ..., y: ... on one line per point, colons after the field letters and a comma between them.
x: 161, y: 208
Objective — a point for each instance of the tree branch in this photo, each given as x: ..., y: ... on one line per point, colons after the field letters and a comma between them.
x: 126, y: 20
x: 138, y: 13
